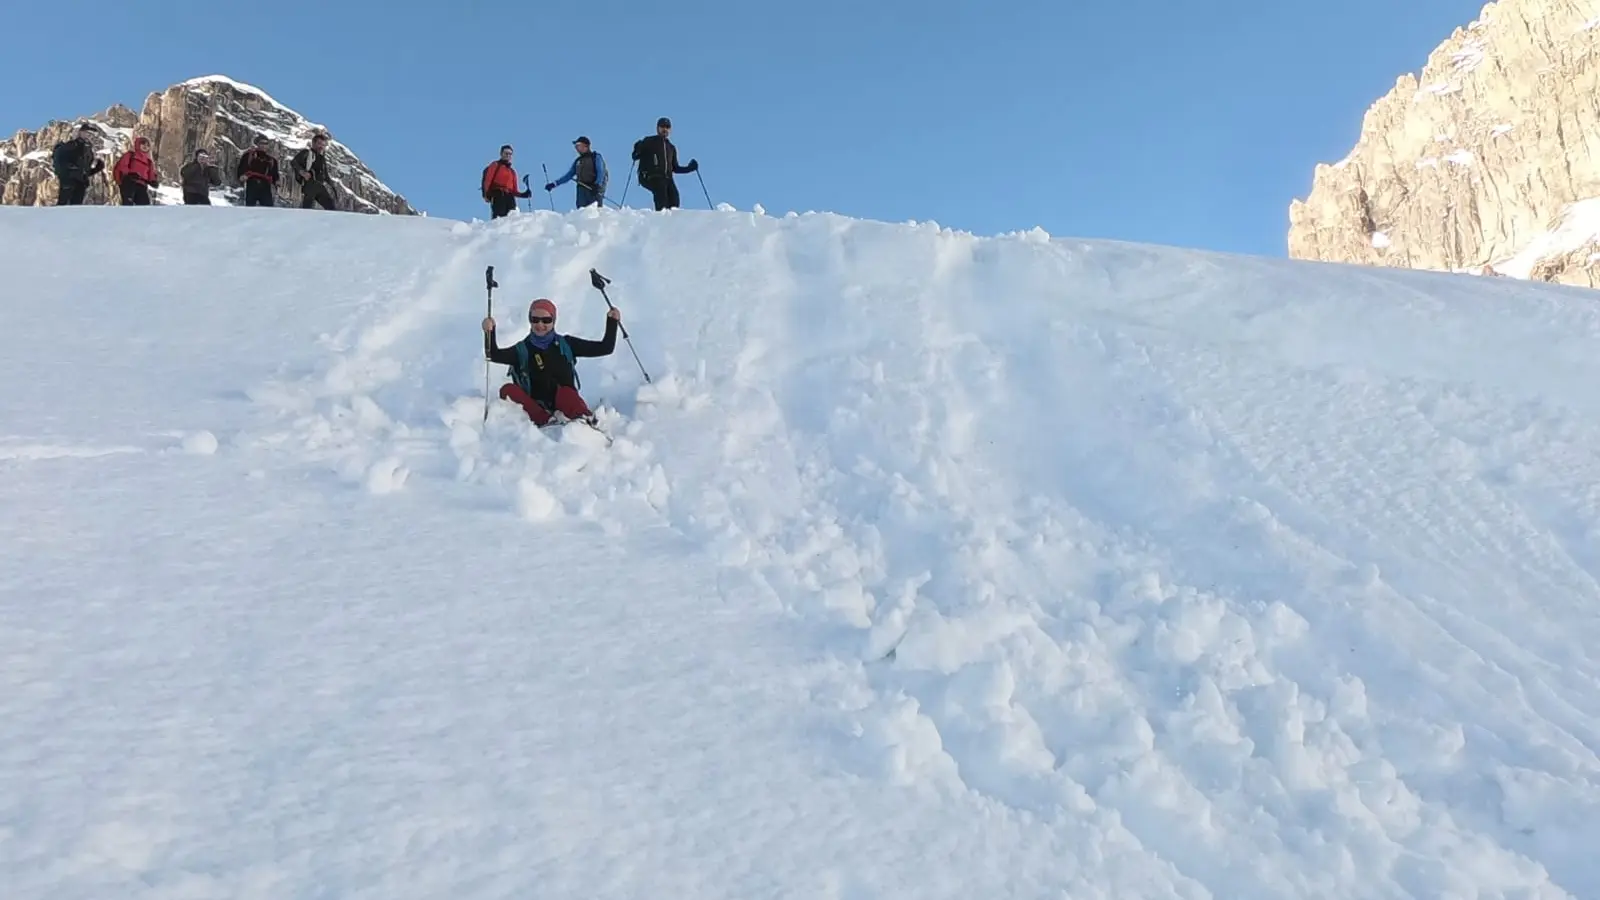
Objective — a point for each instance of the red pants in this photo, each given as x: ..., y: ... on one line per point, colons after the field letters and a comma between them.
x: 568, y: 401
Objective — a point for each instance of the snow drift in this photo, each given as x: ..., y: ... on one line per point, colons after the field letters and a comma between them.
x: 928, y: 566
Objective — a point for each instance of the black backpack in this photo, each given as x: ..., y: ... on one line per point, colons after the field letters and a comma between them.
x: 643, y: 156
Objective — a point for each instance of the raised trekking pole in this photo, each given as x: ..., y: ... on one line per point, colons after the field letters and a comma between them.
x: 703, y: 190
x: 600, y: 281
x: 550, y: 194
x: 529, y: 188
x: 491, y: 284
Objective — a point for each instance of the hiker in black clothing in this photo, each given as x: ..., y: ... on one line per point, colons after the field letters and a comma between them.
x: 74, y: 162
x: 258, y: 172
x: 197, y: 177
x: 658, y: 162
x: 310, y: 167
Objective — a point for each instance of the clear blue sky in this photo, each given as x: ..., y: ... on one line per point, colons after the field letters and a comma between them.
x: 1169, y: 121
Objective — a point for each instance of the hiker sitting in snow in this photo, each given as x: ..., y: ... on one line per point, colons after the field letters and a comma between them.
x: 544, y: 376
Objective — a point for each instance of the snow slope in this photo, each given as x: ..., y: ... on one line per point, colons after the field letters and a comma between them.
x: 928, y: 566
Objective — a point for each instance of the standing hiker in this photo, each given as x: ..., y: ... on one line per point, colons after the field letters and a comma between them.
x: 658, y: 162
x: 544, y: 375
x: 197, y: 178
x: 589, y: 170
x: 74, y: 162
x: 258, y: 172
x: 500, y: 185
x: 135, y: 173
x: 310, y: 167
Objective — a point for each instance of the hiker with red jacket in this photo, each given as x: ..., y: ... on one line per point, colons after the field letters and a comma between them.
x: 135, y: 174
x: 500, y: 185
x: 258, y: 172
x: 544, y: 375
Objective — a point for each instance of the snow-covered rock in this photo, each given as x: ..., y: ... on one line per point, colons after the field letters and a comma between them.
x: 1478, y: 160
x: 213, y: 112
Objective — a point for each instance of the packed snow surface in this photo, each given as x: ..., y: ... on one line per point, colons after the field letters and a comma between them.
x: 927, y: 566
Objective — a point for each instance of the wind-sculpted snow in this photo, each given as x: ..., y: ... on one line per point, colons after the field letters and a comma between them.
x: 927, y: 566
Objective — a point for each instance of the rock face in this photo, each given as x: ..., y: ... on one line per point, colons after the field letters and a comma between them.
x: 1491, y: 158
x: 214, y: 113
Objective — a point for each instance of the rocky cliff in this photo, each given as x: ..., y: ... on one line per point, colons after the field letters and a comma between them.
x: 214, y: 113
x: 1487, y: 159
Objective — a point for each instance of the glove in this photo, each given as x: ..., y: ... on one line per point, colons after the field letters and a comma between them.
x: 694, y: 165
x: 549, y: 185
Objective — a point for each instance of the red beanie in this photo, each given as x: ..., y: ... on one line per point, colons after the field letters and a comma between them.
x: 542, y: 304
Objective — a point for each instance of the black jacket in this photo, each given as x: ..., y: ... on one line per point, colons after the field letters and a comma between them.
x: 197, y: 178
x: 74, y: 160
x: 658, y: 158
x: 548, y: 369
x: 310, y: 167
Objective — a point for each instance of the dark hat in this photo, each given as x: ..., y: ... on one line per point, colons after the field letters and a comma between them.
x: 581, y: 140
x: 663, y: 122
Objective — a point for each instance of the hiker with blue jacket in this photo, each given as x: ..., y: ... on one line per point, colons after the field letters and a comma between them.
x: 589, y: 170
x: 544, y: 375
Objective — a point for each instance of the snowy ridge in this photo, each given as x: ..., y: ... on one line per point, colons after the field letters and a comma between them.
x: 929, y: 566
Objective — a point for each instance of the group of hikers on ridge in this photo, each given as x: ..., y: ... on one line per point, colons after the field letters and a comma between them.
x: 75, y: 164
x: 134, y: 173
x: 655, y: 157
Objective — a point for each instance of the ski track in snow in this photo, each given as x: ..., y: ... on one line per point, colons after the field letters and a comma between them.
x: 1154, y: 577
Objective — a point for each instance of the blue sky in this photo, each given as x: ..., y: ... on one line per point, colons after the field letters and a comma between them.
x: 1168, y: 121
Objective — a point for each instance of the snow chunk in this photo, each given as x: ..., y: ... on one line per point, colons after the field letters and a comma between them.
x: 1502, y: 128
x: 535, y: 502
x: 200, y: 443
x: 386, y: 476
x: 1461, y: 158
x: 1380, y: 240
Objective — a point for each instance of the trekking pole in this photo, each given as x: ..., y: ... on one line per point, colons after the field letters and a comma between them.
x: 703, y: 188
x: 628, y: 183
x: 529, y: 188
x: 491, y: 284
x: 600, y: 281
x: 550, y: 194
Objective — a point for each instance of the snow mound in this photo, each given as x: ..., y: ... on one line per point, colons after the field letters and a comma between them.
x: 925, y: 565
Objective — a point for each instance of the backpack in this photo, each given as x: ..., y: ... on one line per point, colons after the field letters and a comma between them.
x: 639, y: 156
x: 519, y: 372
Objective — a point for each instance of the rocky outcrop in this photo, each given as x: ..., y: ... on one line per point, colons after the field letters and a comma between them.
x: 215, y: 113
x: 1481, y: 161
x: 25, y: 175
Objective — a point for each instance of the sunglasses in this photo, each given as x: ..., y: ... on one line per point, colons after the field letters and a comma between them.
x: 542, y: 320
